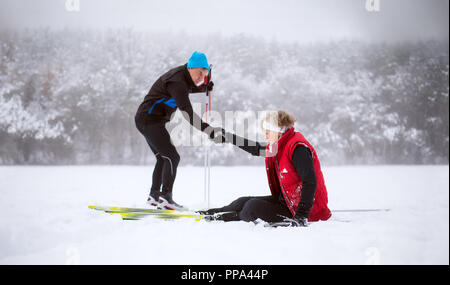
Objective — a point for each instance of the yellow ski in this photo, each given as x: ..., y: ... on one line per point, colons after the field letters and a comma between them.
x: 138, y: 213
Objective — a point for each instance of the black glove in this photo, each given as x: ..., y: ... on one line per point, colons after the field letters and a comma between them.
x: 216, y: 134
x: 219, y: 135
x: 210, y: 86
x: 228, y: 137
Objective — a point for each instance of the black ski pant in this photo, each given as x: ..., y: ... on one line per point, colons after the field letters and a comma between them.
x: 267, y: 208
x: 167, y: 157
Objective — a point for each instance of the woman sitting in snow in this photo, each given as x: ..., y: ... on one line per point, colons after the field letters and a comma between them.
x: 295, y: 178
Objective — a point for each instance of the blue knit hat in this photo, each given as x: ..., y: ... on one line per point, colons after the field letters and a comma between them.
x: 198, y: 60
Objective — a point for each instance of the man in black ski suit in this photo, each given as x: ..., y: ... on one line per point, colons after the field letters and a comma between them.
x: 169, y: 92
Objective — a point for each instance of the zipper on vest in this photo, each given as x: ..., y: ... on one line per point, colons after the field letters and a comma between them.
x: 290, y: 205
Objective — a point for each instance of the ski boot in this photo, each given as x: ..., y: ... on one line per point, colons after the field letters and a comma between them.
x: 153, y: 198
x: 210, y: 212
x: 165, y: 201
x: 224, y: 216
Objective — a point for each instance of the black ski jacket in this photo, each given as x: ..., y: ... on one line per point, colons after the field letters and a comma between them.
x: 169, y: 92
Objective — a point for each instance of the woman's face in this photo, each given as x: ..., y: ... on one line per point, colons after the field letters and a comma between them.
x: 272, y: 136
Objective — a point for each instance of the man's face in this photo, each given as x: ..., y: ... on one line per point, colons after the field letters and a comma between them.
x: 198, y: 75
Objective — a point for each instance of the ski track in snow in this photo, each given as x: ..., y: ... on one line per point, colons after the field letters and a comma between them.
x: 46, y: 219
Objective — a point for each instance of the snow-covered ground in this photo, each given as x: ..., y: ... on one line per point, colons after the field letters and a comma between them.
x: 45, y: 218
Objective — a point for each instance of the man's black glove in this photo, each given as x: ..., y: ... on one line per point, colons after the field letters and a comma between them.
x: 210, y: 86
x: 219, y: 135
x: 216, y: 134
x: 228, y: 137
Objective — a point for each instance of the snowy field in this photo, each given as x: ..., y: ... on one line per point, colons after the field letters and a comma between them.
x: 45, y: 218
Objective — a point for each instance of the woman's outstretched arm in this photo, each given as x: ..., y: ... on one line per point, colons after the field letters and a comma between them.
x: 252, y: 147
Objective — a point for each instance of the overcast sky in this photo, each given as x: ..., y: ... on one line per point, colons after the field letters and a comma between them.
x: 285, y: 20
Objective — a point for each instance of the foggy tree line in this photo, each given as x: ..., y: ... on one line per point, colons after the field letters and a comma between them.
x: 70, y: 96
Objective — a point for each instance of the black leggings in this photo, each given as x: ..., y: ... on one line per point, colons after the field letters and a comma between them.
x: 267, y: 208
x: 167, y: 157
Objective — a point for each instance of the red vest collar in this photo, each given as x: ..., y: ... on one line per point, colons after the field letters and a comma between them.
x: 279, y: 145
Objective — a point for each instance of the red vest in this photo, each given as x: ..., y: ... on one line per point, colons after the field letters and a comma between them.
x: 283, y: 176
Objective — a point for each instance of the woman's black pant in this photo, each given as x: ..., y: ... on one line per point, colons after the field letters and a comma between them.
x: 167, y: 157
x: 267, y: 208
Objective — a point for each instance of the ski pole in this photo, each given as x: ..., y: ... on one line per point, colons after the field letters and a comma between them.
x: 207, y: 174
x: 360, y: 210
